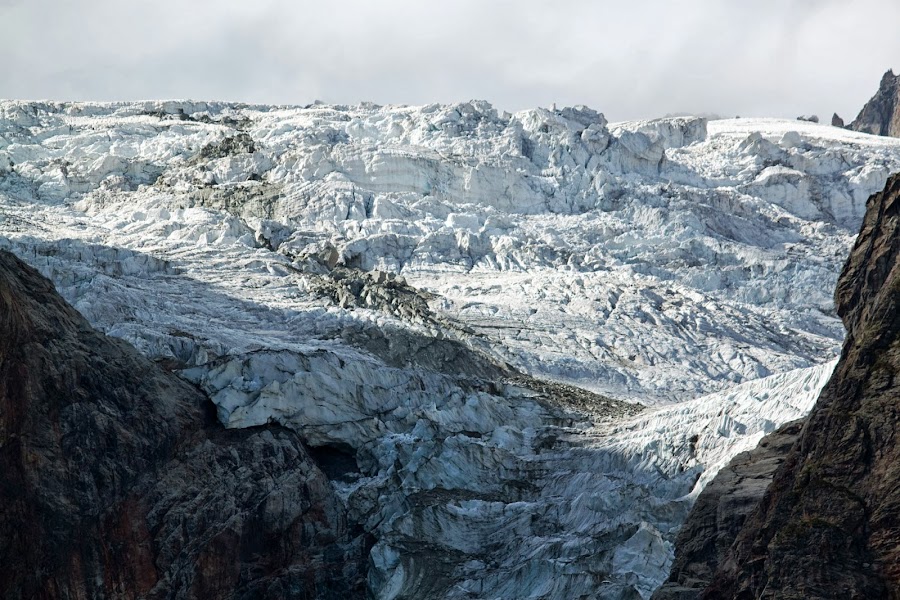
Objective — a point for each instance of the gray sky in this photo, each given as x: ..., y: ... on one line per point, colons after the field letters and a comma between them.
x: 628, y: 59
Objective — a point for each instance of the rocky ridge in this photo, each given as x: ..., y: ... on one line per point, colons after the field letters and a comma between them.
x: 720, y: 512
x: 827, y: 526
x: 881, y: 114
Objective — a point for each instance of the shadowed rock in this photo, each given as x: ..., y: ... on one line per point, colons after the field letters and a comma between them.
x: 720, y: 512
x: 117, y: 483
x: 828, y: 525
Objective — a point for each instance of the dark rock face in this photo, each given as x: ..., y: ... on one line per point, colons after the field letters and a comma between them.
x: 720, y: 512
x: 118, y: 483
x: 829, y: 524
x: 837, y: 121
x: 881, y: 114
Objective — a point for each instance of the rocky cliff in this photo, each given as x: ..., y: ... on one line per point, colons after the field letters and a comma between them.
x: 721, y: 511
x: 118, y: 482
x: 828, y: 524
x: 881, y: 114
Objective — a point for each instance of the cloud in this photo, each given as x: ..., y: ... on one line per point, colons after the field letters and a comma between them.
x: 638, y: 59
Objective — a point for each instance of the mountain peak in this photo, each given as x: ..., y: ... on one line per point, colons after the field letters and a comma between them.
x: 881, y: 114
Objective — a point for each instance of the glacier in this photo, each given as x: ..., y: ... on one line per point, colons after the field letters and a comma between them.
x: 521, y: 343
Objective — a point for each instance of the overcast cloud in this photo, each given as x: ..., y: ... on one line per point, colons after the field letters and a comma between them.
x: 628, y: 59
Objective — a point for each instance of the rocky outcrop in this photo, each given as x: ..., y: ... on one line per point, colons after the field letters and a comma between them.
x: 828, y: 525
x: 881, y: 114
x: 118, y: 483
x: 837, y: 121
x: 720, y: 512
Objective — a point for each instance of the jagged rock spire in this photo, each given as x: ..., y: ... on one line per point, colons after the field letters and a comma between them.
x: 881, y: 114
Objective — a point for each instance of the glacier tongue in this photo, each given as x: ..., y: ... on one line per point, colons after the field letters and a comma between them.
x: 445, y: 301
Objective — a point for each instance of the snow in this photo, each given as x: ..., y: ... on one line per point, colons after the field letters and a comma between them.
x: 357, y: 273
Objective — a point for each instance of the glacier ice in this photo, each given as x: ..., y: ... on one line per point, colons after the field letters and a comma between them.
x: 449, y: 293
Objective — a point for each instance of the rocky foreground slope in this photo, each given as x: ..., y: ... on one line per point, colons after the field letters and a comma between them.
x: 457, y: 309
x: 827, y: 526
x: 721, y: 511
x: 119, y: 483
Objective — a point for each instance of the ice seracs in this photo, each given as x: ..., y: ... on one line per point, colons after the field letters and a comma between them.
x: 679, y: 209
x: 451, y: 302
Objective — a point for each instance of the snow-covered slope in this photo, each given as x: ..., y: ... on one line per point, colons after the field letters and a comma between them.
x: 417, y: 289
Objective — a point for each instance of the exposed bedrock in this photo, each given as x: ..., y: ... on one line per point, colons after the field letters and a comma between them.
x: 827, y: 527
x: 881, y: 114
x: 118, y: 482
x: 720, y: 512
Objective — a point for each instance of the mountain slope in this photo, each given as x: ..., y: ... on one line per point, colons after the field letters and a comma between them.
x: 117, y: 485
x: 827, y: 526
x: 720, y: 512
